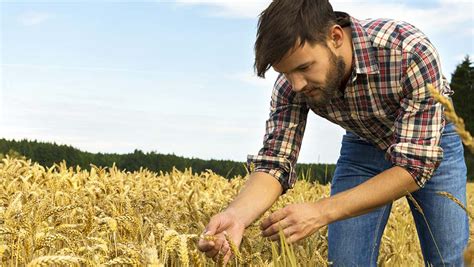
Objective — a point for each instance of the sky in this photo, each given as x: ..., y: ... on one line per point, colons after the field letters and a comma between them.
x: 169, y: 76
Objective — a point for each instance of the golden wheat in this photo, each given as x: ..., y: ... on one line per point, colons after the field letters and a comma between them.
x: 55, y: 260
x: 183, y: 250
x: 234, y: 248
x: 197, y: 258
x: 104, y: 216
x: 122, y: 261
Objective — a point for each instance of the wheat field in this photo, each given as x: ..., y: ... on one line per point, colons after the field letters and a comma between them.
x: 103, y: 216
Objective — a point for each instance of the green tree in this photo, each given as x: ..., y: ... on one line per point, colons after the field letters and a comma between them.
x: 462, y: 83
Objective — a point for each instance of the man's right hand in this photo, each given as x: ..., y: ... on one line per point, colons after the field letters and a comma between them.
x: 257, y: 195
x: 220, y: 223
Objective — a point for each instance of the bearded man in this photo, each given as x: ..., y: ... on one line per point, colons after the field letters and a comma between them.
x: 370, y: 77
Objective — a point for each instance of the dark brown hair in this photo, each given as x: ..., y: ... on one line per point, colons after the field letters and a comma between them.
x: 283, y: 22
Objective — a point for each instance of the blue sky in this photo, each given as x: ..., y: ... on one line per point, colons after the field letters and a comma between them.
x: 170, y: 76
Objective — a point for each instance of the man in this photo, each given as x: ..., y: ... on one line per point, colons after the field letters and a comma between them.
x: 370, y: 78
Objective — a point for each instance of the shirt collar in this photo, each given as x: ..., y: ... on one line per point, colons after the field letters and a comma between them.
x: 364, y: 52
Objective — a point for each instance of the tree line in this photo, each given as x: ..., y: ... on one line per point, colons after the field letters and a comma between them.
x: 47, y: 154
x: 462, y: 83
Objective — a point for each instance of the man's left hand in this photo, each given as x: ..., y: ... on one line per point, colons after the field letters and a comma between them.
x: 297, y: 221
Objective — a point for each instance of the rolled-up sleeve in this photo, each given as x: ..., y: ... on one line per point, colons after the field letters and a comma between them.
x: 420, y: 122
x: 283, y: 135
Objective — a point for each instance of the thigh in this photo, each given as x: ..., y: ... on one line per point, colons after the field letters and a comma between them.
x: 444, y: 229
x: 356, y: 241
x: 358, y: 162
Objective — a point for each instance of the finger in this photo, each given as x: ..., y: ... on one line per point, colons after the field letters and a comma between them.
x: 205, y: 245
x: 215, y: 249
x: 275, y: 228
x: 218, y: 256
x: 212, y: 227
x: 295, y: 237
x: 273, y: 218
x: 216, y: 225
x: 227, y: 257
x: 212, y: 253
x: 287, y: 232
x: 224, y: 251
x: 225, y: 248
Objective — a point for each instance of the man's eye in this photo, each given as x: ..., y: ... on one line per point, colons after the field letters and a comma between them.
x: 304, y: 68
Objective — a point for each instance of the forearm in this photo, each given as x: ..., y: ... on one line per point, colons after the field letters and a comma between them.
x: 257, y: 195
x: 382, y: 189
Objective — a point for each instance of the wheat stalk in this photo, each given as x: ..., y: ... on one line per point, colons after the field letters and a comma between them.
x: 183, y: 250
x: 418, y: 208
x: 452, y: 116
x: 233, y: 247
x: 55, y: 260
x: 123, y: 260
x: 455, y: 200
x: 197, y: 258
x: 208, y: 237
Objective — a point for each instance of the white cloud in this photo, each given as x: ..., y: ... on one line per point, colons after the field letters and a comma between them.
x: 30, y: 18
x: 441, y: 16
x: 231, y: 8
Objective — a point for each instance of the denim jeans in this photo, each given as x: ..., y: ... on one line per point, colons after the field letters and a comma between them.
x: 356, y: 241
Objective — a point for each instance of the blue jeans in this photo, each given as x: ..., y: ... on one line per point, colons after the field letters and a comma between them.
x: 356, y: 241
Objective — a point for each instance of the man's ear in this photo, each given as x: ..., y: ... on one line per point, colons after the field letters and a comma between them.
x: 336, y: 35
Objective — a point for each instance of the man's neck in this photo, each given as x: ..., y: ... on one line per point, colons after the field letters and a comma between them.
x: 348, y: 57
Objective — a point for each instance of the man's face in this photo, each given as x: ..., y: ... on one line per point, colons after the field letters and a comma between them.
x: 314, y: 71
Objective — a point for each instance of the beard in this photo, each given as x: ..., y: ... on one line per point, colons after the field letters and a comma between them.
x: 322, y: 95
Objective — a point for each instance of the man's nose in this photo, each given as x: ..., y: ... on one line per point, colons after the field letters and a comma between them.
x: 297, y: 83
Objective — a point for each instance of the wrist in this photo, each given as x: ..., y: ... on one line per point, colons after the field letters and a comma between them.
x: 234, y: 214
x: 328, y: 211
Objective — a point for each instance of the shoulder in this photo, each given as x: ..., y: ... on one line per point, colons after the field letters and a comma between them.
x: 395, y: 34
x: 403, y: 44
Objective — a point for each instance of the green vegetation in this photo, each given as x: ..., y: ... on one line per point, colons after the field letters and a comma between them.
x: 462, y: 82
x: 47, y: 154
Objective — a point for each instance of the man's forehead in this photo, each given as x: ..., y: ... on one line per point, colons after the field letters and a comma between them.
x: 292, y: 61
x: 288, y: 61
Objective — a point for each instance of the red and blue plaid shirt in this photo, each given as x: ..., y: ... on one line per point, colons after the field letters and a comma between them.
x: 386, y: 102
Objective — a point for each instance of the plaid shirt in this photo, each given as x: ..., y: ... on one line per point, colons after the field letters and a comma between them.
x: 385, y: 102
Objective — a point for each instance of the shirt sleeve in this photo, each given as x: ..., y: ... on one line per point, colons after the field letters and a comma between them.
x: 283, y: 135
x: 420, y: 122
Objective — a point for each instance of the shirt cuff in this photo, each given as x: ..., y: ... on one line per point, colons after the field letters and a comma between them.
x: 278, y: 167
x: 420, y: 161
